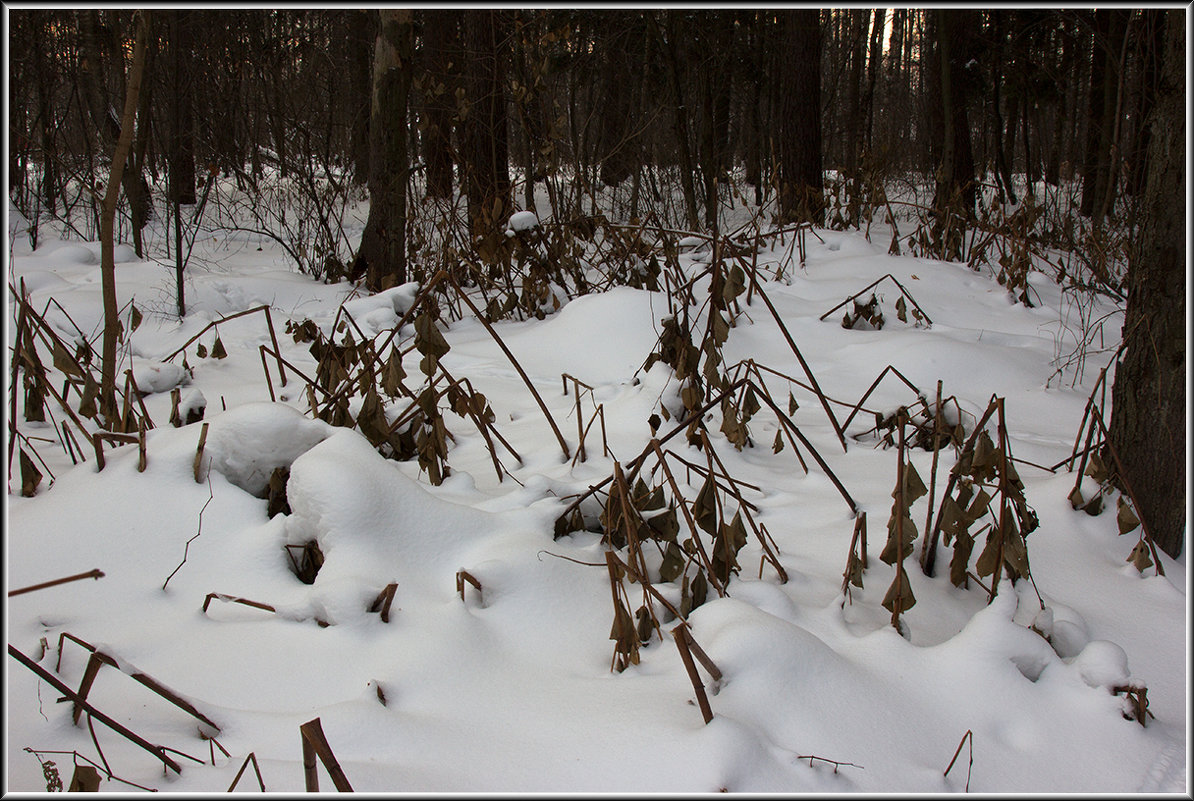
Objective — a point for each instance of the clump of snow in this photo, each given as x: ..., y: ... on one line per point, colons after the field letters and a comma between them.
x: 522, y: 221
x: 192, y: 405
x: 153, y: 377
x: 1102, y: 664
x: 247, y: 443
x: 374, y: 314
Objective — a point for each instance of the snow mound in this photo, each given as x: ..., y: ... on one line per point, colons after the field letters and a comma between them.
x: 154, y: 377
x: 69, y: 253
x: 522, y: 221
x: 1102, y: 664
x: 248, y: 442
x: 377, y: 313
x: 373, y: 524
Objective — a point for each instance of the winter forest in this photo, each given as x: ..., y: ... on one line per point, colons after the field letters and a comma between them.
x: 583, y: 400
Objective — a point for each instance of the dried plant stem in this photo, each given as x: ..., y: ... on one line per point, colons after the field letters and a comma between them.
x: 57, y: 684
x: 933, y: 472
x: 95, y: 574
x: 252, y: 757
x: 967, y: 737
x: 678, y: 634
x: 199, y: 530
x: 315, y: 743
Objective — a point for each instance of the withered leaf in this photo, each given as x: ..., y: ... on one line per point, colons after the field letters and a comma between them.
x: 853, y: 572
x: 778, y: 445
x: 665, y: 525
x: 792, y: 404
x: 650, y: 501
x: 735, y: 283
x: 201, y: 351
x: 898, y: 547
x: 30, y: 476
x: 750, y: 404
x: 64, y: 362
x: 899, y: 592
x: 217, y: 349
x: 1076, y: 499
x: 960, y: 561
x: 87, y: 405
x: 988, y: 560
x: 134, y: 318
x: 985, y: 452
x: 1125, y: 517
x: 901, y: 310
x: 673, y: 563
x: 1139, y: 557
x: 645, y: 624
x: 393, y: 374
x: 428, y: 339
x: 1096, y: 469
x: 721, y: 329
x: 914, y: 488
x: 704, y: 508
x: 700, y: 589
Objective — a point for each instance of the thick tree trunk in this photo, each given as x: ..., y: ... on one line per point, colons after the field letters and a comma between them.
x: 802, y: 182
x: 382, y: 254
x: 1148, y: 420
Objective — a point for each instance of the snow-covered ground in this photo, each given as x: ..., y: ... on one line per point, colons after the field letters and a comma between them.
x: 511, y: 688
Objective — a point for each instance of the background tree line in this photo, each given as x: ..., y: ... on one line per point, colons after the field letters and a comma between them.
x: 671, y: 116
x: 647, y: 101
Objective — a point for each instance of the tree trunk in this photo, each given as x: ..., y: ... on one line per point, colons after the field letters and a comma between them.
x: 877, y: 27
x: 382, y: 254
x: 439, y: 32
x: 1148, y: 421
x: 801, y: 188
x: 957, y: 193
x: 361, y: 36
x: 1109, y: 36
x: 182, y: 152
x: 107, y: 224
x: 680, y: 113
x: 485, y: 152
x: 1003, y: 172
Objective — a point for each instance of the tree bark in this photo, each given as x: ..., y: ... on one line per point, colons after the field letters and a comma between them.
x: 1148, y: 421
x: 107, y: 224
x: 439, y: 33
x: 485, y: 143
x: 802, y: 182
x: 382, y: 254
x: 360, y: 45
x: 182, y: 150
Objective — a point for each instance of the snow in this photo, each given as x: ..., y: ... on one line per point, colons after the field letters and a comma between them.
x: 510, y: 689
x: 522, y: 221
x: 154, y: 377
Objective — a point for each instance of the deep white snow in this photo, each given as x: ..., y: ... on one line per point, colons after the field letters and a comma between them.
x: 510, y: 689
